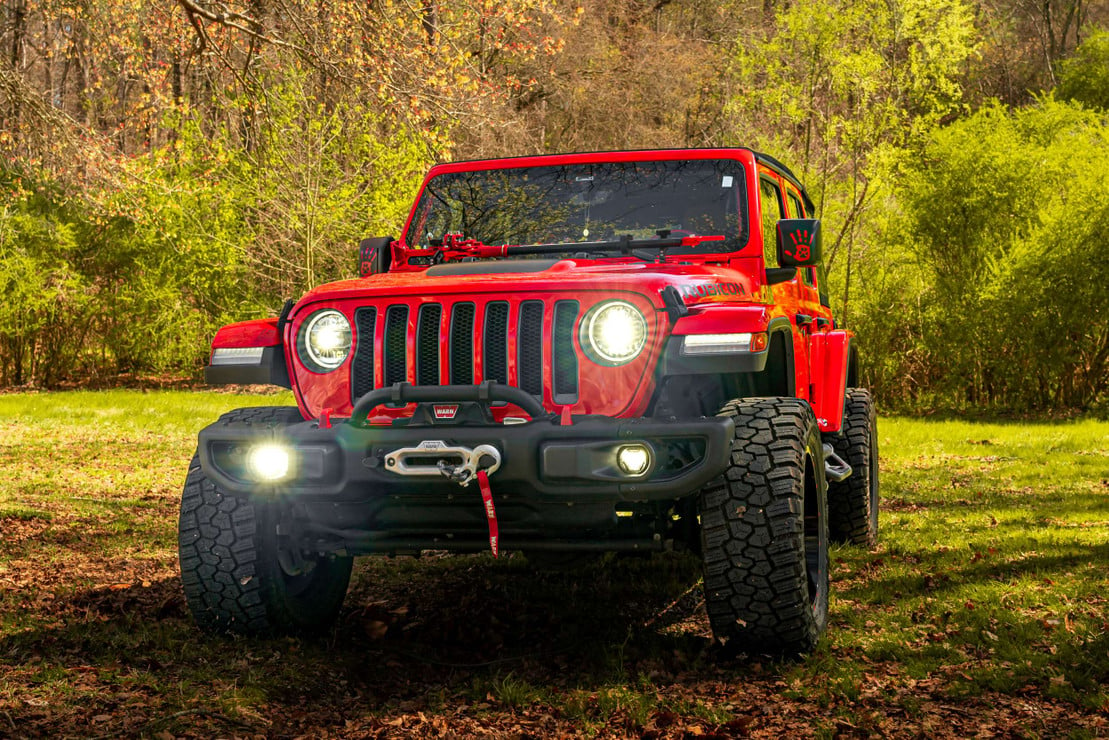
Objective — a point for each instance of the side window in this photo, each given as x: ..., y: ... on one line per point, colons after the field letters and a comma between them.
x: 822, y: 274
x: 795, y: 206
x: 771, y: 212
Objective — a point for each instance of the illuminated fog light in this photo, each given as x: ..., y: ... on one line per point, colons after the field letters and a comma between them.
x: 268, y: 462
x: 325, y: 340
x: 633, y: 459
x: 614, y: 332
x: 722, y: 344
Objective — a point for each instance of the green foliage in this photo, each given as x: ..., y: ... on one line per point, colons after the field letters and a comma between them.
x: 115, y: 281
x: 136, y: 275
x: 991, y: 293
x: 1084, y: 78
x: 44, y: 295
x: 325, y: 177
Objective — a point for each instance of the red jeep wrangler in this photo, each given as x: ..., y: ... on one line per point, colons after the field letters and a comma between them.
x: 582, y: 353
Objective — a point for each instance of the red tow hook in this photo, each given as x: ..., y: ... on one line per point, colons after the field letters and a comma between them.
x: 490, y: 510
x: 325, y: 419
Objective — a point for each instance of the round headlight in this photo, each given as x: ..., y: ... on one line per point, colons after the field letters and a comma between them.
x: 614, y: 333
x: 324, y: 340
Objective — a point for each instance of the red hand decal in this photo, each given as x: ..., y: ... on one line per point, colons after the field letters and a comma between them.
x: 801, y: 246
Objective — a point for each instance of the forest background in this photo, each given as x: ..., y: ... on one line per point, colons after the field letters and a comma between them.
x: 167, y: 167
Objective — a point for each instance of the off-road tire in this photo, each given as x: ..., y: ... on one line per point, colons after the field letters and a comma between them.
x: 229, y: 553
x: 764, y: 533
x: 853, y: 503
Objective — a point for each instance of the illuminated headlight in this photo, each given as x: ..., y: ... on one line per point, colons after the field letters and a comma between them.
x: 324, y: 340
x: 634, y: 459
x: 722, y: 344
x: 614, y: 333
x: 268, y: 462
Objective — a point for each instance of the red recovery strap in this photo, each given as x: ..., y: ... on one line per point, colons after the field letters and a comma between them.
x: 490, y: 510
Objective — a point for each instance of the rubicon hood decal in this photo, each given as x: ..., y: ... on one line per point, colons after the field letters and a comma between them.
x: 703, y: 290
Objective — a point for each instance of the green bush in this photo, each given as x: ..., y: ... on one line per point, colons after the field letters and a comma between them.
x: 135, y: 274
x: 992, y: 294
x: 1084, y: 78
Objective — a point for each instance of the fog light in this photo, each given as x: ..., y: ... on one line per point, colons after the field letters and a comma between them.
x: 633, y: 459
x: 268, y: 462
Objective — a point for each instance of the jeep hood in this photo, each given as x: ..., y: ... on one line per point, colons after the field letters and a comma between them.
x: 696, y: 282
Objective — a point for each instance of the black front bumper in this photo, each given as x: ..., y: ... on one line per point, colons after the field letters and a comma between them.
x: 542, y: 460
x: 557, y: 487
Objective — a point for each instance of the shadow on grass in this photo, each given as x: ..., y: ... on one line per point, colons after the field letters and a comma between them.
x: 936, y: 575
x: 82, y: 538
x: 413, y: 635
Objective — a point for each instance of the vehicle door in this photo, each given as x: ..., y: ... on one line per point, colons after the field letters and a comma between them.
x: 812, y: 294
x: 788, y: 295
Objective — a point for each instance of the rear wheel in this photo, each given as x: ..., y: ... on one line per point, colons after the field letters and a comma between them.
x: 239, y: 573
x: 853, y: 503
x: 764, y: 531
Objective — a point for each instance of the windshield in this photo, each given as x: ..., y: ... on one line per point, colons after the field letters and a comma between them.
x: 587, y: 203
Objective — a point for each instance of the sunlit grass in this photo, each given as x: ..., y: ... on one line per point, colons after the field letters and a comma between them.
x: 86, y: 452
x: 994, y: 553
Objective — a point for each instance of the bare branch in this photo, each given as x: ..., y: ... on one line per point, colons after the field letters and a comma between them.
x: 234, y: 20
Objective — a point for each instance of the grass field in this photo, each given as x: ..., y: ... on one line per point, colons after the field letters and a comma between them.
x: 984, y: 610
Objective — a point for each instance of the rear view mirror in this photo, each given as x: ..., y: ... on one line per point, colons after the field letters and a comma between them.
x: 798, y: 242
x: 374, y: 255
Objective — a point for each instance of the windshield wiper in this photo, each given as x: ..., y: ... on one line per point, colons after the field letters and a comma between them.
x: 455, y: 246
x: 648, y: 250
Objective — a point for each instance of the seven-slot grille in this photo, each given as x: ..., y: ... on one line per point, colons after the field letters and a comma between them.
x: 466, y: 343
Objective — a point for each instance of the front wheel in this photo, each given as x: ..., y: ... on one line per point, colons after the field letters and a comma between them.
x: 239, y: 574
x: 764, y: 531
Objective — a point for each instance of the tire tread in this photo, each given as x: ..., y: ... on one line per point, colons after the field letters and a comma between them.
x: 849, y: 514
x: 756, y: 586
x: 219, y: 544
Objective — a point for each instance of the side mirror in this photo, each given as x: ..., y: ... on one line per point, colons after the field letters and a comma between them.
x: 799, y: 242
x: 374, y: 255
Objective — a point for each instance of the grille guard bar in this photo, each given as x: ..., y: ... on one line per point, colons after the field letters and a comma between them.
x: 486, y: 392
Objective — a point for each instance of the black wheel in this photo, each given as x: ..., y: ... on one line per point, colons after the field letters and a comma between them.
x: 853, y: 503
x: 764, y: 531
x: 237, y: 572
